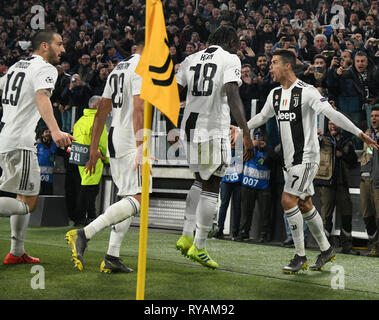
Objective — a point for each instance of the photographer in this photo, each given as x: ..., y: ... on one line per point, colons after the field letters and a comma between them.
x: 99, y: 79
x: 78, y: 94
x: 316, y: 72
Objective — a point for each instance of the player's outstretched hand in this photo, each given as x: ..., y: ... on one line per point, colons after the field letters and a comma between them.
x: 62, y: 139
x: 370, y: 142
x: 248, y: 148
x: 90, y: 166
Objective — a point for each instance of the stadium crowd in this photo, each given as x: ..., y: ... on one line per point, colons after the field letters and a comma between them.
x: 336, y: 44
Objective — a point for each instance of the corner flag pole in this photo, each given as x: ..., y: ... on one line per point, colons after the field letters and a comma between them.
x: 142, y: 250
x: 159, y: 89
x: 144, y: 215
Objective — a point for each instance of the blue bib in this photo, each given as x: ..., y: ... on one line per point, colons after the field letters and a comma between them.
x: 255, y: 174
x: 234, y: 171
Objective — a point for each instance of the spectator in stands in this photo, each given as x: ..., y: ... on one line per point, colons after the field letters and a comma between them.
x: 245, y: 53
x: 267, y: 50
x: 369, y: 195
x: 85, y: 68
x: 190, y: 48
x: 358, y: 86
x: 66, y: 67
x: 337, y: 158
x: 99, y: 79
x: 125, y: 44
x: 113, y: 55
x: 78, y: 94
x: 315, y: 74
x: 248, y: 90
x: 62, y: 82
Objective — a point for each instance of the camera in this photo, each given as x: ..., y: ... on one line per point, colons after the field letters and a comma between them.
x: 328, y: 53
x: 73, y: 80
x: 318, y: 69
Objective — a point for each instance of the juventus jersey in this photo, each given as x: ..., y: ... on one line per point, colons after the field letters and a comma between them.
x: 207, y: 113
x: 122, y: 84
x: 21, y: 115
x: 296, y: 110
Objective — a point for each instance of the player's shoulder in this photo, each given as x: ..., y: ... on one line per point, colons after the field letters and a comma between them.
x: 301, y: 84
x: 274, y: 91
x: 36, y: 67
x: 129, y: 63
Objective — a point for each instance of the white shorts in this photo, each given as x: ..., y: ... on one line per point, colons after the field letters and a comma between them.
x: 127, y: 180
x: 298, y: 180
x: 21, y: 172
x: 209, y: 158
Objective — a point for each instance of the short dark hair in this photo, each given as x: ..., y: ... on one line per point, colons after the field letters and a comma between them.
x: 42, y: 36
x: 139, y: 37
x: 319, y: 56
x: 223, y: 35
x: 247, y: 65
x: 361, y: 54
x: 287, y: 56
x: 376, y: 108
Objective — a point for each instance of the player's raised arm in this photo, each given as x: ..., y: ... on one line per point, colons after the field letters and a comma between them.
x: 321, y: 105
x: 262, y: 117
x: 46, y: 111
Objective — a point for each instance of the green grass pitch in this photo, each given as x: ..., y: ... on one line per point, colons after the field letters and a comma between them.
x: 247, y: 271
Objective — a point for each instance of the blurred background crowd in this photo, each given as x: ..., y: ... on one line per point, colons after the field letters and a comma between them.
x: 97, y: 34
x: 336, y: 44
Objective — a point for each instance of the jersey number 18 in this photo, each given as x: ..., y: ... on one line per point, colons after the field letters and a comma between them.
x: 204, y: 76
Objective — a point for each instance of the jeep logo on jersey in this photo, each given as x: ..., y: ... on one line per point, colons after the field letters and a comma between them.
x: 286, y: 116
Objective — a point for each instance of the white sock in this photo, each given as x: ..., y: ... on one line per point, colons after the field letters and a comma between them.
x: 316, y: 227
x: 205, y: 215
x: 117, y: 235
x: 192, y: 201
x: 19, y: 225
x: 11, y: 206
x: 117, y: 212
x: 295, y: 221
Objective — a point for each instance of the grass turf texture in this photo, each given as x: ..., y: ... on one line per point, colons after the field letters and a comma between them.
x: 247, y: 271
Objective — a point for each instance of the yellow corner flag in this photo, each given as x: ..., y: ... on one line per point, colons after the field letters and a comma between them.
x: 156, y: 68
x: 159, y: 88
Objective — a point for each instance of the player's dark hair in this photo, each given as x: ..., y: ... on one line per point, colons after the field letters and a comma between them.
x: 287, y: 56
x: 42, y: 36
x: 223, y: 36
x: 139, y: 37
x: 375, y: 109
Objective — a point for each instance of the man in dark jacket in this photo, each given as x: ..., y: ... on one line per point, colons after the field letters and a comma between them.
x: 337, y: 157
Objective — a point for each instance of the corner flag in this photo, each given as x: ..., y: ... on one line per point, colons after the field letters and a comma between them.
x: 159, y: 88
x: 156, y: 68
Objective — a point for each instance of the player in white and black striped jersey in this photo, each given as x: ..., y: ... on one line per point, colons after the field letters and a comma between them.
x: 212, y: 77
x: 26, y: 90
x: 296, y: 106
